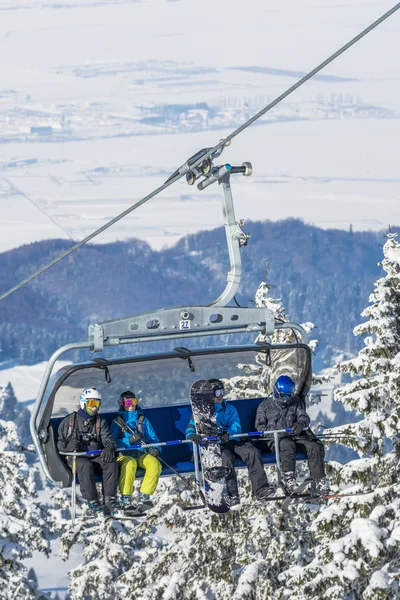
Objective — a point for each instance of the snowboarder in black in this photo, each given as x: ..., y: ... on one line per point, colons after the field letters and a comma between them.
x: 228, y: 422
x: 85, y: 430
x: 282, y: 410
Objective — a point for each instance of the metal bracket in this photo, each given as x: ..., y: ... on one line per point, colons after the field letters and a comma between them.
x: 180, y: 322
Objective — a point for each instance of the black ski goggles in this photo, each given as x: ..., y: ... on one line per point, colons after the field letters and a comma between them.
x: 219, y: 392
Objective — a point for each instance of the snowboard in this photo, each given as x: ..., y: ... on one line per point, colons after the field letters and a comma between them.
x: 213, y: 471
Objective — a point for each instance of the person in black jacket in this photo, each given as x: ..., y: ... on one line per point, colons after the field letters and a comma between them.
x: 85, y: 430
x: 285, y: 410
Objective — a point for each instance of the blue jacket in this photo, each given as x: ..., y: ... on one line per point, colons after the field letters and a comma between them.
x: 131, y: 418
x: 227, y: 420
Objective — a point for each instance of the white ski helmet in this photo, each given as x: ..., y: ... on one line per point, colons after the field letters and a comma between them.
x: 89, y: 394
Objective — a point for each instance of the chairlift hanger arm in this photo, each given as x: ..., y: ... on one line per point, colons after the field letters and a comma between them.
x: 184, y: 168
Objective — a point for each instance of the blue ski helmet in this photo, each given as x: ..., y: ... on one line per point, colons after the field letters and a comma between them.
x: 284, y: 387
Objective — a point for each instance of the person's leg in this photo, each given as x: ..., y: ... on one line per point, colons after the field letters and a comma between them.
x: 127, y: 474
x: 153, y: 469
x: 315, y: 454
x: 110, y: 482
x: 287, y: 451
x: 229, y: 461
x: 251, y: 456
x: 85, y: 471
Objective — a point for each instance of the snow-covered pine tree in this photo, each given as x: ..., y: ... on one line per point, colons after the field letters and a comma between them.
x: 357, y: 540
x: 12, y: 410
x: 25, y: 526
x: 247, y: 386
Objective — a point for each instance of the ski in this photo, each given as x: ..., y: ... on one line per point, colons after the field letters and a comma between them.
x: 214, y: 473
x: 297, y: 493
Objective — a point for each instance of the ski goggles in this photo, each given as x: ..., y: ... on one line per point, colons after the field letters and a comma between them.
x: 127, y: 402
x: 218, y: 393
x: 92, y: 403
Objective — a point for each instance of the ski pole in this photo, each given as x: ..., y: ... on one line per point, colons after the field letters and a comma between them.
x: 142, y: 445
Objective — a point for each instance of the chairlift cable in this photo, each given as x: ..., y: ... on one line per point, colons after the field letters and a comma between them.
x: 182, y: 171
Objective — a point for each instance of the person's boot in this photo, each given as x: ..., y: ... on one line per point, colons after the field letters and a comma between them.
x: 320, y: 487
x: 233, y: 501
x: 126, y: 504
x: 290, y: 482
x: 95, y: 508
x: 110, y: 506
x: 265, y: 492
x: 144, y: 502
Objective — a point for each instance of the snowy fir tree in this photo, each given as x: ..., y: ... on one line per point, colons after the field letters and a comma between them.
x: 358, y: 539
x: 346, y: 549
x: 25, y: 525
x: 253, y: 382
x: 12, y: 410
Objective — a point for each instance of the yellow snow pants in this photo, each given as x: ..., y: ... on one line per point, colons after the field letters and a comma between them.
x: 128, y: 466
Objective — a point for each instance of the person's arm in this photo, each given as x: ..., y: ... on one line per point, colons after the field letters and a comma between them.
x: 190, y: 429
x: 150, y: 436
x: 116, y: 431
x: 302, y: 416
x: 261, y: 418
x: 234, y: 425
x: 62, y: 434
x: 106, y: 437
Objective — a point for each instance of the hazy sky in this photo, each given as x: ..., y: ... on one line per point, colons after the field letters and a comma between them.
x: 122, y: 93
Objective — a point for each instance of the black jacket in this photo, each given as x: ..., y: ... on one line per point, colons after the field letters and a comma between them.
x: 85, y: 431
x: 275, y: 413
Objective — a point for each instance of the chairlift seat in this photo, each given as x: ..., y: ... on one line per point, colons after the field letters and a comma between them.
x: 170, y: 423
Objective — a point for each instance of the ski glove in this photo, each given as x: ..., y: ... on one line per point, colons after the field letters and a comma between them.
x: 72, y: 445
x: 196, y: 438
x: 297, y: 428
x: 154, y: 452
x: 108, y: 454
x: 134, y: 438
x: 223, y: 437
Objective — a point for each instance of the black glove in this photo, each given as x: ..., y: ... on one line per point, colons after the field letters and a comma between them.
x: 108, y: 454
x: 154, y: 452
x: 134, y: 438
x: 297, y: 428
x: 72, y: 445
x: 196, y: 438
x: 223, y: 437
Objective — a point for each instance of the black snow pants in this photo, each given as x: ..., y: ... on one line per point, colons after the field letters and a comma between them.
x: 251, y: 456
x: 310, y: 445
x: 85, y: 468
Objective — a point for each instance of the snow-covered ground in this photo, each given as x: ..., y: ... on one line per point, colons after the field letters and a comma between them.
x: 100, y: 101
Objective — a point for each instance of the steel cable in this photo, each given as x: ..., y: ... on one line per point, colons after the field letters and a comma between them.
x: 182, y: 171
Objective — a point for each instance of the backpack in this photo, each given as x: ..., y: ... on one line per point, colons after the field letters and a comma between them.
x: 71, y: 426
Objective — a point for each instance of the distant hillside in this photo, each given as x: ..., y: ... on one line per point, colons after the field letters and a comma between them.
x: 322, y: 276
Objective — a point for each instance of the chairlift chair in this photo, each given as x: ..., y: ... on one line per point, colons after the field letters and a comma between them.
x: 162, y: 380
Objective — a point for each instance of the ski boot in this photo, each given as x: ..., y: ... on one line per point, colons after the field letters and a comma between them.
x: 110, y: 506
x: 289, y: 482
x: 127, y: 506
x: 143, y: 502
x: 319, y: 488
x: 95, y: 508
x: 265, y: 492
x: 233, y: 501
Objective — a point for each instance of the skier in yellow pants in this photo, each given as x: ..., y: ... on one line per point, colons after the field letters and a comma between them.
x: 133, y: 416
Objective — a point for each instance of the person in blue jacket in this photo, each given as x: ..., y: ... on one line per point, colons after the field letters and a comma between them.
x: 228, y: 422
x: 128, y: 461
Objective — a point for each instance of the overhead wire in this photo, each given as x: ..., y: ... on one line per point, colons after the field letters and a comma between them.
x: 185, y: 168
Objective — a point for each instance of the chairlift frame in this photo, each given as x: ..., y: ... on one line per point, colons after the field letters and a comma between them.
x: 184, y: 322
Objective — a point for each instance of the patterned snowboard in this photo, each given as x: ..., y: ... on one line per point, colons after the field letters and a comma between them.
x: 214, y: 473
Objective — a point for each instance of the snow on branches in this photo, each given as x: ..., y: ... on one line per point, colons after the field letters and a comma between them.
x: 375, y: 391
x: 25, y: 525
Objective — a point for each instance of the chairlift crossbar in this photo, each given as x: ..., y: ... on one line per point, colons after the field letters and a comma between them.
x: 210, y: 438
